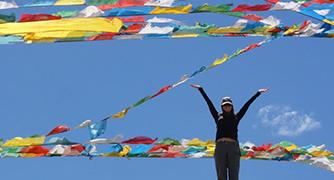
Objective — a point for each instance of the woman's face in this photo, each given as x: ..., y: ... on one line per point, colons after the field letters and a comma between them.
x: 227, y: 108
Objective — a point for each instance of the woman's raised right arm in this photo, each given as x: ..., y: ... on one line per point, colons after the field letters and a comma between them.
x: 212, y: 108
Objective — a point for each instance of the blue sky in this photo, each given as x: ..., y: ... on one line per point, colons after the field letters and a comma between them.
x: 44, y: 85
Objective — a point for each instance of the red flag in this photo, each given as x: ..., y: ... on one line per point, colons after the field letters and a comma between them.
x: 262, y: 148
x: 123, y: 3
x: 59, y: 129
x: 162, y: 90
x: 159, y: 148
x: 37, y: 17
x: 132, y: 19
x: 235, y: 35
x: 307, y: 4
x: 253, y: 17
x: 172, y: 155
x: 296, y: 156
x: 273, y: 1
x: 249, y: 154
x: 77, y: 147
x: 103, y: 36
x: 140, y: 140
x: 252, y: 46
x: 323, y: 1
x: 134, y: 28
x: 275, y: 30
x: 278, y: 149
x: 35, y: 150
x: 258, y: 7
x: 305, y: 25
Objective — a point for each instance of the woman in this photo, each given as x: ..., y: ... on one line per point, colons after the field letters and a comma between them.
x: 227, y: 152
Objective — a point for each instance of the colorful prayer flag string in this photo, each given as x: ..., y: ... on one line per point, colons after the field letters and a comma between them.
x: 145, y: 147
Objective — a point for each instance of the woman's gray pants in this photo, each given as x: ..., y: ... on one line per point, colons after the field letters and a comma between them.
x: 227, y: 159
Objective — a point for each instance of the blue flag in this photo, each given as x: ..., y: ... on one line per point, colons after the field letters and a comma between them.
x: 98, y: 128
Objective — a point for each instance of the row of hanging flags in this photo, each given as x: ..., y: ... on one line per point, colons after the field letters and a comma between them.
x: 145, y: 147
x: 125, y: 19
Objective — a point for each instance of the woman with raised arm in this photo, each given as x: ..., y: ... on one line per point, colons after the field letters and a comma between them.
x: 227, y: 152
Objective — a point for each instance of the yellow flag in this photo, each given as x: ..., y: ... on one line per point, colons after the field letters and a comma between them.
x: 185, y: 35
x: 198, y: 142
x: 121, y: 114
x: 219, y: 61
x: 113, y: 154
x: 210, y: 151
x: 69, y: 2
x: 30, y: 155
x: 172, y: 10
x: 291, y: 29
x: 56, y: 35
x: 321, y: 153
x: 73, y: 24
x: 224, y: 30
x: 124, y: 152
x: 328, y: 21
x: 292, y: 147
x: 19, y: 141
x: 266, y: 30
x: 30, y: 38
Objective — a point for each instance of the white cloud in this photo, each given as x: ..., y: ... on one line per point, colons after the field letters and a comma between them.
x: 284, y: 121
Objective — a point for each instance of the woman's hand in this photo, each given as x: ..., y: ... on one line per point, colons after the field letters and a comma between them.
x: 263, y: 90
x: 196, y: 86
